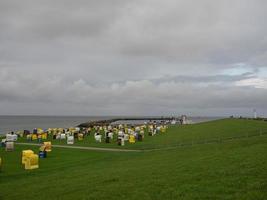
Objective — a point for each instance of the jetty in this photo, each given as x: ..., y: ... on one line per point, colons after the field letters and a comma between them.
x: 110, y: 121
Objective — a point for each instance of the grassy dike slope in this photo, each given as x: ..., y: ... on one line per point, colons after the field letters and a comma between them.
x: 230, y: 170
x: 224, y: 128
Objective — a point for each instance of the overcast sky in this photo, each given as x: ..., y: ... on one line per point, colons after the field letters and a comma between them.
x: 137, y: 57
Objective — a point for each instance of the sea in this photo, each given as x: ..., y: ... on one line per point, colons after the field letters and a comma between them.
x: 18, y: 123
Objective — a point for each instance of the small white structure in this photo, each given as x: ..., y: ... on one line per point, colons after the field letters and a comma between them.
x: 9, y: 146
x: 62, y: 136
x: 184, y: 119
x: 122, y: 137
x: 98, y: 138
x: 70, y: 139
x: 122, y: 142
x: 255, y: 113
x: 110, y: 135
x: 11, y: 137
x: 126, y: 137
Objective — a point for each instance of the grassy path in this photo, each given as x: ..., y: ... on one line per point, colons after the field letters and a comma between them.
x: 85, y: 148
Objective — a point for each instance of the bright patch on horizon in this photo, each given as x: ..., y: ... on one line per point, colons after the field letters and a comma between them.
x: 254, y: 82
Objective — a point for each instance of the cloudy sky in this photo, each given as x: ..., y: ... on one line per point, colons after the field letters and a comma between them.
x: 137, y: 57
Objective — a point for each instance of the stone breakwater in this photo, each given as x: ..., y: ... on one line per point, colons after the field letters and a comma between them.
x: 109, y: 121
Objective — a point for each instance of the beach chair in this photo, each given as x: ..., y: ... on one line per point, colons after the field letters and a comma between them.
x: 19, y: 133
x: 14, y: 137
x: 98, y: 138
x: 25, y: 154
x: 26, y: 132
x: 70, y: 140
x: 40, y: 131
x: 48, y: 146
x: 32, y: 162
x: 126, y: 137
x: 62, y: 136
x: 80, y: 136
x: 28, y: 137
x: 132, y: 139
x: 9, y: 146
x: 110, y: 135
x: 58, y: 136
x: 9, y: 137
x: 44, y: 136
x: 120, y: 142
x: 34, y: 136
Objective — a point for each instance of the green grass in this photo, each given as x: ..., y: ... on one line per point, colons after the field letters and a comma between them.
x: 230, y: 170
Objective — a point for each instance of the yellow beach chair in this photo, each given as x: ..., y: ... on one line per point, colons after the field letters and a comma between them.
x: 80, y: 136
x: 132, y: 139
x: 48, y: 146
x: 25, y: 154
x: 32, y: 162
x: 34, y: 136
x: 44, y: 136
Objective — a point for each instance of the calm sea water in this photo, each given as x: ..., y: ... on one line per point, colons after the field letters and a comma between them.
x: 15, y: 123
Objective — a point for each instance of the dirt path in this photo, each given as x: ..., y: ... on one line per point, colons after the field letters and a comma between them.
x: 84, y: 148
x: 178, y: 145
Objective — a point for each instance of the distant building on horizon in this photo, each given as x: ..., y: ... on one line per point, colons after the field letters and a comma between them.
x: 255, y: 113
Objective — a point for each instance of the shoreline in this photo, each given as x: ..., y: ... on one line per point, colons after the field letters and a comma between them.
x: 18, y: 123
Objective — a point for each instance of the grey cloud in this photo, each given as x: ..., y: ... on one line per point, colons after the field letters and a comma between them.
x: 132, y: 57
x: 206, y: 79
x: 144, y: 95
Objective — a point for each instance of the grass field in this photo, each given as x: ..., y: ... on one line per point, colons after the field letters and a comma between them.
x: 234, y: 169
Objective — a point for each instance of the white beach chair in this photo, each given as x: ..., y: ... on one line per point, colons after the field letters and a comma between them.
x: 70, y: 140
x: 110, y: 135
x: 9, y: 137
x: 62, y: 136
x: 126, y: 137
x: 98, y: 138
